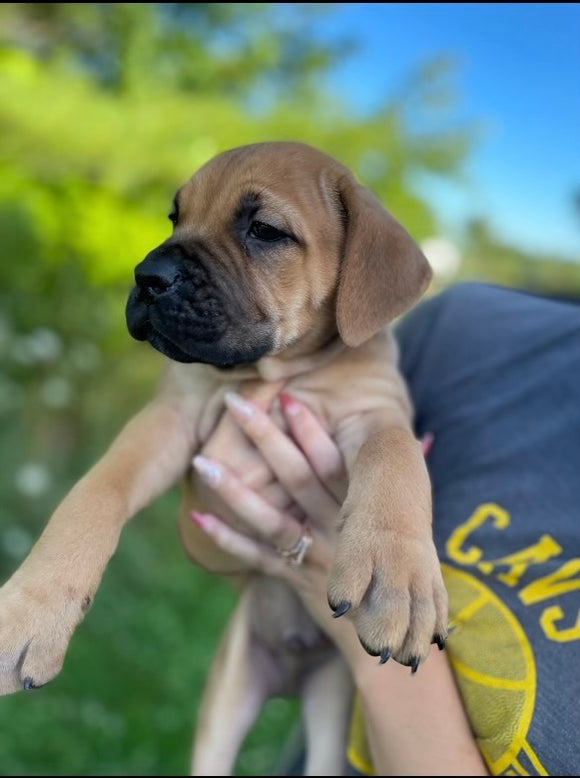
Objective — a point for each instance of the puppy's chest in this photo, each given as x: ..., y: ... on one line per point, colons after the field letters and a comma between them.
x: 340, y: 393
x: 338, y: 406
x: 214, y: 417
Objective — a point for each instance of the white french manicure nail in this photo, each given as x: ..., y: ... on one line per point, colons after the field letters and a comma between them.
x: 210, y: 471
x: 237, y: 404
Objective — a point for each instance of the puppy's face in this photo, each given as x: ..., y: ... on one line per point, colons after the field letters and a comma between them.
x: 253, y: 257
x: 260, y: 237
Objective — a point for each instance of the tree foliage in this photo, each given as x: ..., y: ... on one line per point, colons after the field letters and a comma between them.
x: 192, y: 47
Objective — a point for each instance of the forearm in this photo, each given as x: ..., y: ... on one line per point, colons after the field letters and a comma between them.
x: 415, y: 724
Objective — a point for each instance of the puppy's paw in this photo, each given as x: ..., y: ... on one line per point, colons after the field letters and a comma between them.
x: 391, y: 586
x: 36, y: 624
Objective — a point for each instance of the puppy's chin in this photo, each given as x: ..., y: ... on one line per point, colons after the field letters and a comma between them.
x: 218, y: 355
x: 167, y: 348
x: 243, y: 346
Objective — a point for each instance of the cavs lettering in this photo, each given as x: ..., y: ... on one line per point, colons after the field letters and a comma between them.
x: 510, y: 569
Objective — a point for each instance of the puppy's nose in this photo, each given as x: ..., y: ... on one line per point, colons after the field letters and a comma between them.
x: 157, y: 273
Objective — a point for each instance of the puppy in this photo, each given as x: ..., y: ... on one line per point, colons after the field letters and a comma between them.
x: 282, y: 273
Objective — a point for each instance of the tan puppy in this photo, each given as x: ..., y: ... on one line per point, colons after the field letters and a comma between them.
x: 282, y: 273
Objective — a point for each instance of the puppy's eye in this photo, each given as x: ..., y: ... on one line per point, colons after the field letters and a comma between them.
x: 173, y: 217
x: 266, y: 232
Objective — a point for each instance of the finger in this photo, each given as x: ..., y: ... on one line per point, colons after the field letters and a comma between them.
x: 288, y: 463
x: 278, y: 529
x: 251, y: 552
x: 317, y: 445
x: 427, y: 442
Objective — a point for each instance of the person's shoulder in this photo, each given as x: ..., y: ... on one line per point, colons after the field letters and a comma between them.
x: 476, y: 319
x: 472, y: 296
x: 472, y: 304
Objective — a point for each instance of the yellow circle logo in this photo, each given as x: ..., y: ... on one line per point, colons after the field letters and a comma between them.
x: 495, y: 670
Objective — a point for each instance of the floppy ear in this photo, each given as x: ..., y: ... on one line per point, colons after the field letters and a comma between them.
x: 383, y: 272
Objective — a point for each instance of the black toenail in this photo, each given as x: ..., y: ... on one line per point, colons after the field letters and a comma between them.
x: 385, y: 656
x: 341, y: 609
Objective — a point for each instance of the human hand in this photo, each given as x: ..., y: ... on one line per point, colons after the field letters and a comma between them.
x: 309, y: 468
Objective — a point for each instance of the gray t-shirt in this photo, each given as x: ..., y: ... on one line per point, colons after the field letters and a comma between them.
x: 495, y: 376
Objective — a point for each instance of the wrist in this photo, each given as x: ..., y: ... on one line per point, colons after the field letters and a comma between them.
x: 366, y: 670
x: 361, y: 663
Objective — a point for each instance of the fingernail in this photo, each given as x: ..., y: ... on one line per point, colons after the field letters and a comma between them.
x: 341, y: 609
x: 210, y: 471
x: 427, y: 442
x: 202, y: 520
x: 289, y: 404
x: 238, y: 406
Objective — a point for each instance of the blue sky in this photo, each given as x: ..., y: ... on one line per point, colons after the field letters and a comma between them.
x: 517, y: 77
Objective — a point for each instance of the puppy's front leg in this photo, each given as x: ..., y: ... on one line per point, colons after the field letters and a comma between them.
x: 386, y: 570
x: 47, y: 597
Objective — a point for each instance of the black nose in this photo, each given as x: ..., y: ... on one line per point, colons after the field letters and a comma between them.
x: 157, y: 273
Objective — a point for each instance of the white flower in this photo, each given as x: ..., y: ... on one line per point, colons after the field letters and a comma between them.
x: 56, y: 392
x: 45, y: 344
x: 41, y: 345
x: 32, y: 479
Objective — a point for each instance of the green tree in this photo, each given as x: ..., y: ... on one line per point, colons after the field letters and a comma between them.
x: 490, y: 259
x: 193, y: 47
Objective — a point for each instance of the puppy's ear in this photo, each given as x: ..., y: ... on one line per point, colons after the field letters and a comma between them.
x: 383, y: 272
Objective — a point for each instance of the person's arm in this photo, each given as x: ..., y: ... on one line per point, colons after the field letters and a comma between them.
x: 416, y: 723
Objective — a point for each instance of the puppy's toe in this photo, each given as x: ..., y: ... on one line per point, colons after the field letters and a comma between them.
x: 43, y: 662
x: 350, y: 577
x: 381, y: 622
x: 417, y: 642
x: 441, y: 603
